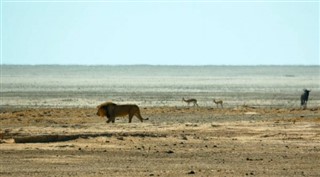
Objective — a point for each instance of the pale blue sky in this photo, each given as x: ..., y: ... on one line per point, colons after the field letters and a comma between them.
x: 169, y: 33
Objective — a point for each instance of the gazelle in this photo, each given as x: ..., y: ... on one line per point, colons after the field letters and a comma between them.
x: 217, y: 102
x: 192, y: 100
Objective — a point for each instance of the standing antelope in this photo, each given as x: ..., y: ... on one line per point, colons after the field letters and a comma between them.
x: 304, y: 98
x: 217, y: 102
x: 192, y: 100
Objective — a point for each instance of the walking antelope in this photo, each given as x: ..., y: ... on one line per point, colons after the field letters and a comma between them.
x: 217, y: 102
x: 192, y: 100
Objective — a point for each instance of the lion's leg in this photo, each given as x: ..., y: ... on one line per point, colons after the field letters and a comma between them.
x: 113, y: 119
x: 130, y: 118
x: 109, y: 120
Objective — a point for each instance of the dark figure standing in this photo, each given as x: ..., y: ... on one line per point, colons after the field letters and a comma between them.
x: 304, y: 98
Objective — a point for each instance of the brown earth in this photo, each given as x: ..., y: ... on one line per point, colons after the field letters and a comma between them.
x: 175, y: 141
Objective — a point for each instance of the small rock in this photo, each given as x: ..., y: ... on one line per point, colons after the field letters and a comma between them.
x: 169, y: 152
x: 6, y: 131
x: 191, y: 172
x: 120, y: 138
x: 183, y: 137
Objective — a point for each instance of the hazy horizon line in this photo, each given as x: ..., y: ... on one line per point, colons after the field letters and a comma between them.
x: 158, y: 65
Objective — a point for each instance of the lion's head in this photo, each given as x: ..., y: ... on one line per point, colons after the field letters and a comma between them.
x: 105, y: 109
x: 101, y: 112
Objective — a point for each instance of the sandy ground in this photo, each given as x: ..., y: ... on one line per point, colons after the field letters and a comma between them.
x: 175, y: 141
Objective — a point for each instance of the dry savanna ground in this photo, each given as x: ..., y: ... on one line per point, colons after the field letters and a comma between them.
x: 175, y: 141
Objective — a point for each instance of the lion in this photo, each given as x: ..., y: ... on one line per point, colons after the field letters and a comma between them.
x: 112, y: 110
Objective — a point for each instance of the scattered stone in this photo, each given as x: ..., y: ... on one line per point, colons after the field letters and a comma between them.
x: 184, y: 137
x: 191, y: 172
x: 120, y: 138
x: 191, y: 125
x: 249, y: 159
x: 169, y: 152
x: 65, y: 146
x: 6, y: 131
x: 213, y: 125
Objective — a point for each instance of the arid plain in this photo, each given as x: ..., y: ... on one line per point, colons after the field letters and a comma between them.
x: 174, y: 142
x: 49, y: 126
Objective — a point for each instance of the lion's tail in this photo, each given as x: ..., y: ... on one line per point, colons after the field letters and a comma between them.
x: 140, y: 117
